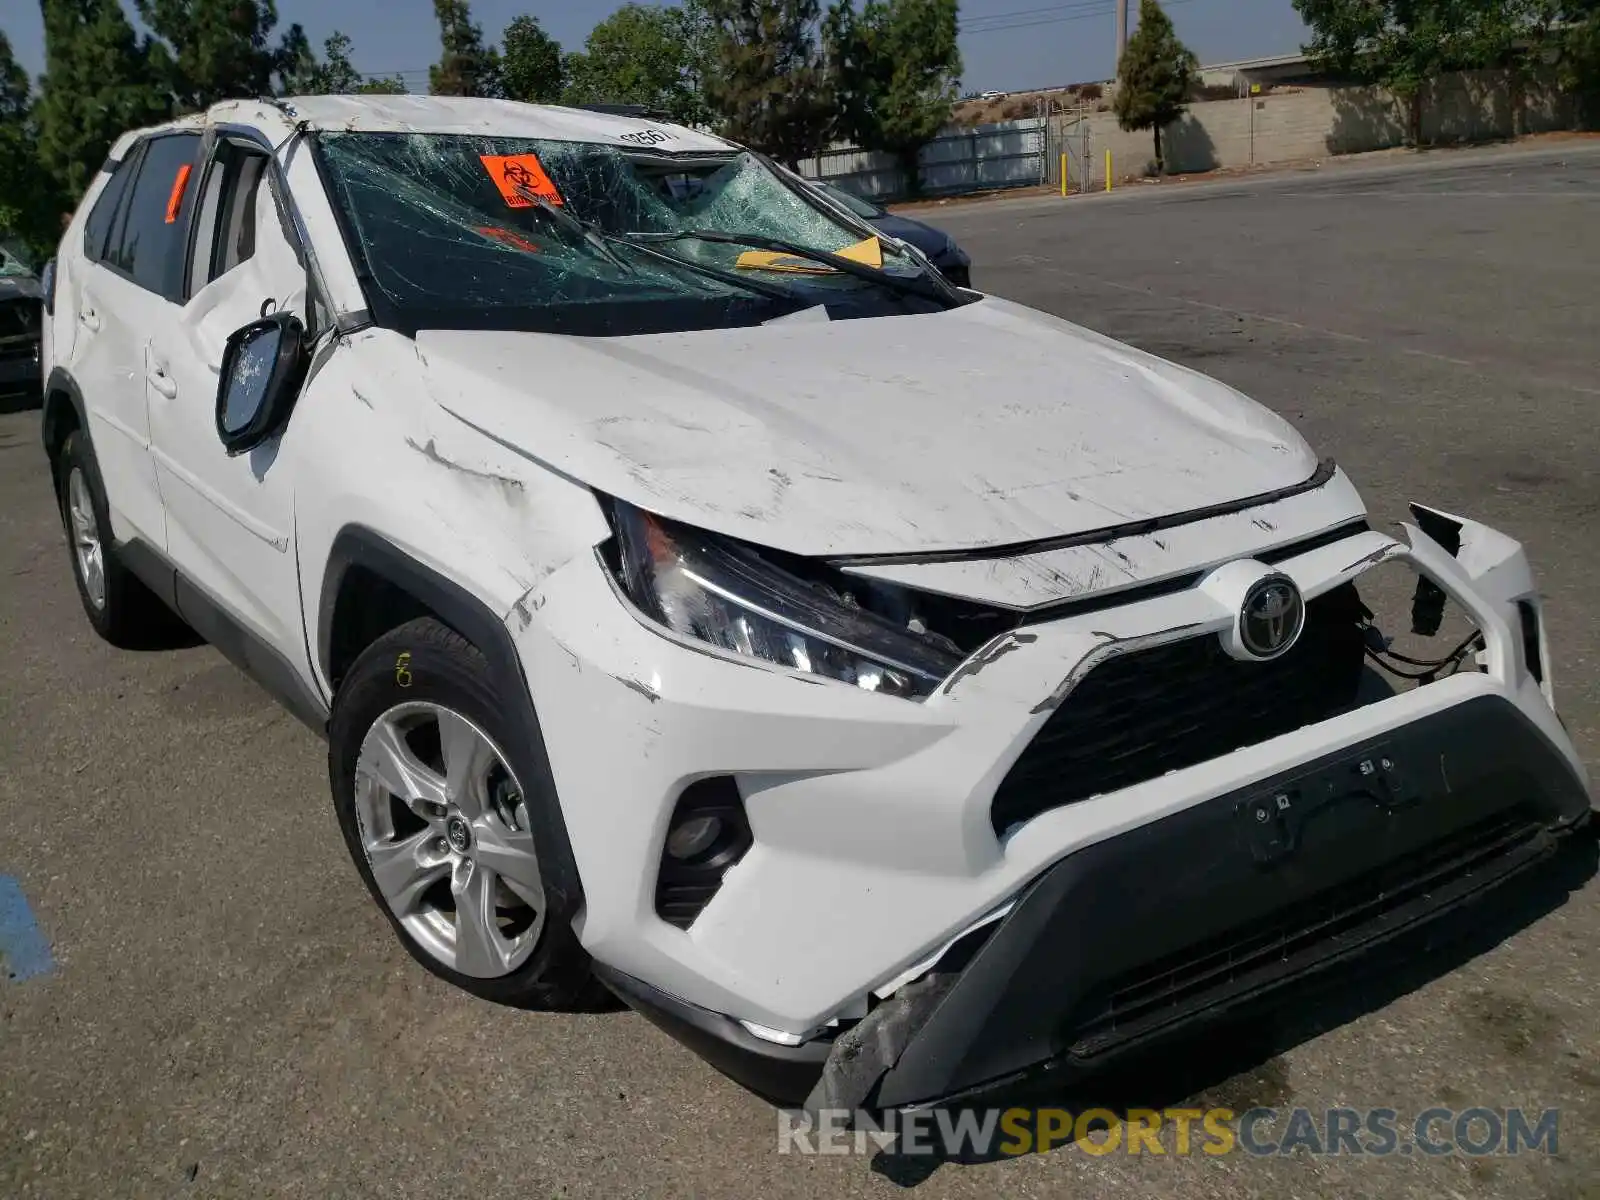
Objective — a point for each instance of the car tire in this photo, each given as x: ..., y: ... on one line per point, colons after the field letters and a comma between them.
x: 121, y: 609
x: 408, y: 702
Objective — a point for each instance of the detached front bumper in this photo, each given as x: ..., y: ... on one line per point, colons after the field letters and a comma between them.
x: 1183, y: 920
x: 888, y: 940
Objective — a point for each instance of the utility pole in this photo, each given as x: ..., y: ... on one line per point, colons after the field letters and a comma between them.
x: 1122, y: 34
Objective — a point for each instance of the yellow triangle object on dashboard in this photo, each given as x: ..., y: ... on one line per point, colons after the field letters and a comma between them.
x: 868, y: 253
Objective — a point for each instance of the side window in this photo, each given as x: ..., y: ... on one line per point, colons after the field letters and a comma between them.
x: 98, y: 226
x: 149, y: 247
x: 227, y: 235
x: 246, y: 243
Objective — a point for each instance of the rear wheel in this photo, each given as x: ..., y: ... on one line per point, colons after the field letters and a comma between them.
x: 428, y: 787
x: 120, y: 608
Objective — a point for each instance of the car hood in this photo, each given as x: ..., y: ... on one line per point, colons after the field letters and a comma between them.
x: 25, y: 287
x: 979, y: 426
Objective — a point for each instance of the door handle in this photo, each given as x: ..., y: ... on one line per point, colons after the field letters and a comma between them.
x: 90, y: 321
x: 162, y: 383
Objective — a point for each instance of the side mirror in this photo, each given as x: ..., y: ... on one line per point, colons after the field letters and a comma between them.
x: 262, y: 368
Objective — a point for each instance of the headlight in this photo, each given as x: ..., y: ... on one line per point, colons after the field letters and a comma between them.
x: 726, y: 594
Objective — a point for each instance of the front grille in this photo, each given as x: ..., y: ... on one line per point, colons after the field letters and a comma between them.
x: 1139, y: 715
x: 1335, y: 921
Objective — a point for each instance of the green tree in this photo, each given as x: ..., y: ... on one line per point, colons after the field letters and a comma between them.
x: 1403, y: 44
x: 334, y: 74
x: 641, y: 55
x: 1569, y: 31
x: 897, y: 70
x: 466, y: 67
x: 1155, y: 76
x: 99, y: 82
x: 26, y: 197
x: 381, y: 85
x: 530, y: 63
x: 220, y: 49
x: 700, y: 41
x: 769, y: 82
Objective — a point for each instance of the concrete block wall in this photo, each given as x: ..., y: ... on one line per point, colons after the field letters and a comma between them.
x: 1478, y: 106
x: 1282, y: 126
x: 1286, y: 125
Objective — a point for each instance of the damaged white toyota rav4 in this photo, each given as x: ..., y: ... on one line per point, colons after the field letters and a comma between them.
x: 889, y: 690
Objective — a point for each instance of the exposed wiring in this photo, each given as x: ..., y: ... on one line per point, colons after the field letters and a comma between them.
x: 1434, y: 667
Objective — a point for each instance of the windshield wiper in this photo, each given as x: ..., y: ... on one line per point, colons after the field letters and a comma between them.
x: 581, y: 229
x: 600, y: 241
x: 770, y: 290
x: 918, y: 285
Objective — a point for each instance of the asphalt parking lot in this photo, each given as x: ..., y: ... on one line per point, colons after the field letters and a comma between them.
x: 229, y: 1016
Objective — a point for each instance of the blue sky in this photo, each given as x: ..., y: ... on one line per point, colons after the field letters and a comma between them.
x: 1007, y: 44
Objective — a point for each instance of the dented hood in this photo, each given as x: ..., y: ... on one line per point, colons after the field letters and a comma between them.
x: 980, y: 426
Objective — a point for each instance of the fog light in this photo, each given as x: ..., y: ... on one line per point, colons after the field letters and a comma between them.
x: 694, y: 837
x: 707, y: 834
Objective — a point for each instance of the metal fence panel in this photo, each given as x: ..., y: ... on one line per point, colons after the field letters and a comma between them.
x: 1069, y: 142
x: 1008, y: 154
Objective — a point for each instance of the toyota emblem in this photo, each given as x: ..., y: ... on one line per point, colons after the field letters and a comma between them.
x: 1271, y: 617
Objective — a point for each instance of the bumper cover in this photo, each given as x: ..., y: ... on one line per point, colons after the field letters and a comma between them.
x: 1189, y: 917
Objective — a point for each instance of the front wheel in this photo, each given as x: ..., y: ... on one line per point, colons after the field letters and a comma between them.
x: 429, y: 792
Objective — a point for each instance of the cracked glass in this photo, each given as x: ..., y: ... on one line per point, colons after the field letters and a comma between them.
x: 247, y: 384
x: 456, y: 231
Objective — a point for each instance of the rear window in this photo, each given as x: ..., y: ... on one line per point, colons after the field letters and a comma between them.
x: 98, y: 226
x: 149, y: 245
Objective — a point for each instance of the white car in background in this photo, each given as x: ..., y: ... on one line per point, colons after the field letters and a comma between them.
x: 890, y: 690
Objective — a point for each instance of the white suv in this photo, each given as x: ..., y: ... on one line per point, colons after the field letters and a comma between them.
x: 890, y: 690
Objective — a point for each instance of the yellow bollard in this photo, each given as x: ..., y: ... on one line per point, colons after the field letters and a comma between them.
x: 1108, y: 170
x: 1063, y: 176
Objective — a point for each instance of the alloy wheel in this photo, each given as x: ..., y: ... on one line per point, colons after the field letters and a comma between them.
x: 85, y: 532
x: 444, y: 825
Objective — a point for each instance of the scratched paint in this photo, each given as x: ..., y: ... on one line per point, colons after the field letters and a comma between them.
x: 24, y: 952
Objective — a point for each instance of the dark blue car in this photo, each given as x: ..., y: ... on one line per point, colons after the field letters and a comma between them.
x: 20, y: 305
x: 939, y: 246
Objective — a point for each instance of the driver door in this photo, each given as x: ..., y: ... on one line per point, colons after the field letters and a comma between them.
x: 230, y: 519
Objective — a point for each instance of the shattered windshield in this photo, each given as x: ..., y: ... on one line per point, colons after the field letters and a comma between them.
x: 14, y: 262
x: 458, y: 231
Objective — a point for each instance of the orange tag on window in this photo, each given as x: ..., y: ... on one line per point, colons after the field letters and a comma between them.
x: 175, y: 200
x: 515, y: 174
x: 509, y: 237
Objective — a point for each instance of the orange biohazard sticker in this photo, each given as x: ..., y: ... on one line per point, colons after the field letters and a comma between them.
x: 175, y: 200
x: 515, y: 174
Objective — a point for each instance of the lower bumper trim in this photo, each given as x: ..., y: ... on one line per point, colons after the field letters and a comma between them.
x: 1218, y: 907
x: 772, y: 1071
